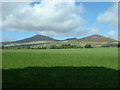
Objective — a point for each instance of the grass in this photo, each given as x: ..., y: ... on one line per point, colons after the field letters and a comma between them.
x: 55, y: 68
x: 107, y: 57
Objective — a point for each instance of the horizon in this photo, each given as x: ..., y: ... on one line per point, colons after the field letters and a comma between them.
x: 49, y: 19
x: 60, y: 39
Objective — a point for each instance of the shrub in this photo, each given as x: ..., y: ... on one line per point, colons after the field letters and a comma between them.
x: 88, y: 46
x: 119, y: 44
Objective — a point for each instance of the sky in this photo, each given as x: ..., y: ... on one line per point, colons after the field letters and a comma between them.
x: 59, y: 20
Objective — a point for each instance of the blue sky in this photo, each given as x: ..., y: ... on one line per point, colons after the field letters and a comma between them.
x: 90, y: 12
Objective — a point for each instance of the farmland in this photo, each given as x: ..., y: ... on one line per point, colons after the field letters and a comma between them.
x: 53, y: 68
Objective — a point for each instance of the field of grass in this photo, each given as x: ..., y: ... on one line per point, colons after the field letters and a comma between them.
x: 55, y: 68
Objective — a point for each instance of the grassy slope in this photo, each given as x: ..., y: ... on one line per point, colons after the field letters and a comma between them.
x: 72, y: 42
x: 61, y: 68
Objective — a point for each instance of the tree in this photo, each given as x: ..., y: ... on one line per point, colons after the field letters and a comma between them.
x: 88, y: 46
x: 53, y: 47
x: 2, y: 47
x: 119, y: 44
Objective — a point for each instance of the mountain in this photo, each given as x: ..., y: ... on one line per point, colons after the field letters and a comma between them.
x: 97, y: 38
x: 39, y: 40
x: 36, y: 38
x: 9, y: 42
x: 31, y: 39
x: 71, y: 39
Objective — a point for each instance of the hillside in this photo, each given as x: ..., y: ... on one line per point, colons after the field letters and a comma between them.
x: 36, y: 38
x: 31, y: 39
x: 6, y: 43
x: 97, y: 38
x: 40, y: 40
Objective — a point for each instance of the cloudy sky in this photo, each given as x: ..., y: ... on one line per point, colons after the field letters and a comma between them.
x: 58, y: 19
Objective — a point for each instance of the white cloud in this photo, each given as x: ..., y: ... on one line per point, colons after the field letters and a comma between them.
x: 92, y: 30
x: 110, y: 16
x: 113, y: 34
x: 0, y: 15
x: 49, y: 17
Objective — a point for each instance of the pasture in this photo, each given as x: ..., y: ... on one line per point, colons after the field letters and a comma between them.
x: 60, y: 68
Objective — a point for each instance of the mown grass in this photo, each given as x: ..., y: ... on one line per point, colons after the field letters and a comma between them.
x: 107, y: 57
x: 55, y: 68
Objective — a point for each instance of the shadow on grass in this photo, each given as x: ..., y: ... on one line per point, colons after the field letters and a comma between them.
x: 60, y: 77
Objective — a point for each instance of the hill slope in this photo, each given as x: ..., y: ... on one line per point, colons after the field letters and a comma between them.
x: 32, y: 39
x: 36, y: 38
x: 97, y: 38
x: 40, y: 40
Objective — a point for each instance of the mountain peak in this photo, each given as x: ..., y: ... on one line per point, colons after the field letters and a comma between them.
x: 97, y: 38
x: 36, y: 38
x: 96, y: 35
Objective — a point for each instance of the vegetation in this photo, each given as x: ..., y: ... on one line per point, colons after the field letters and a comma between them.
x: 88, y: 46
x: 44, y: 42
x: 60, y: 77
x: 119, y: 44
x: 110, y: 45
x: 61, y: 68
x: 63, y: 46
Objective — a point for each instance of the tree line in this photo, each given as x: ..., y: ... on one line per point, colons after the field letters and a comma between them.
x: 64, y: 46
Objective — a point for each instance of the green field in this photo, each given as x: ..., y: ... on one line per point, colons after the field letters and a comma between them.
x: 55, y: 68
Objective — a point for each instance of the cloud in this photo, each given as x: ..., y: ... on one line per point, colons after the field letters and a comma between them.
x: 49, y: 17
x: 110, y: 16
x: 113, y: 34
x: 92, y: 30
x: 0, y: 15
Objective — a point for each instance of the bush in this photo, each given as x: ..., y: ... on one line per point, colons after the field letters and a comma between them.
x: 53, y: 47
x: 119, y: 44
x: 88, y: 46
x: 110, y: 45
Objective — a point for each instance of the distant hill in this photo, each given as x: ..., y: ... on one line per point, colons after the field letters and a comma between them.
x: 9, y: 42
x: 70, y: 38
x: 39, y: 40
x: 36, y: 38
x: 97, y: 38
x: 32, y: 39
